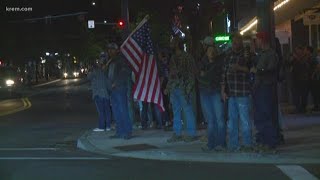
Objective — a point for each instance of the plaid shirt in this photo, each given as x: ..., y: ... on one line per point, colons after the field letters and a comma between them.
x: 236, y: 83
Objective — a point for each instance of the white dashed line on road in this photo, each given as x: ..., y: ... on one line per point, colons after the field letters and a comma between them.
x: 296, y: 172
x: 55, y: 158
x: 28, y: 149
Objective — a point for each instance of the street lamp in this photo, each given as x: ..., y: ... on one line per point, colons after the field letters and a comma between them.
x: 93, y: 3
x: 47, y: 54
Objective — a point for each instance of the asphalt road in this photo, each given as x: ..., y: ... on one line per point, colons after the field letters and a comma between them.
x: 40, y: 143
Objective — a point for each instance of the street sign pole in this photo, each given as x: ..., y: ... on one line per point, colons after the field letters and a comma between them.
x: 125, y: 16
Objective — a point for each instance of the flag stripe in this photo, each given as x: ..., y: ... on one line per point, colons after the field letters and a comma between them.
x: 140, y: 81
x: 153, y: 82
x: 132, y: 62
x: 146, y: 80
x: 152, y: 78
x: 136, y: 49
x: 155, y: 94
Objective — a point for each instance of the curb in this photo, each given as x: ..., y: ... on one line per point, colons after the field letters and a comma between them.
x: 84, y: 144
x: 219, y: 157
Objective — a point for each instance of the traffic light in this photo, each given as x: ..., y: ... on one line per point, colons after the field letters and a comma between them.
x: 121, y: 24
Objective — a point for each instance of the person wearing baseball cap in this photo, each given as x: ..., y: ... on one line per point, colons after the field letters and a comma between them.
x: 265, y: 99
x: 235, y: 92
x: 119, y: 74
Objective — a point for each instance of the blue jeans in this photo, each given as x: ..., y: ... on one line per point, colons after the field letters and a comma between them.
x: 181, y: 104
x: 104, y: 111
x: 264, y: 121
x: 121, y: 112
x: 213, y: 112
x: 160, y: 117
x: 238, y: 109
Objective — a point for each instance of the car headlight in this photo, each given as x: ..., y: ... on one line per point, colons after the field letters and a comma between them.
x: 65, y: 75
x: 76, y: 74
x: 9, y: 82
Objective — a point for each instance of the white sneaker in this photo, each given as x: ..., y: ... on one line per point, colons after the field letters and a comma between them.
x: 108, y: 129
x: 98, y: 130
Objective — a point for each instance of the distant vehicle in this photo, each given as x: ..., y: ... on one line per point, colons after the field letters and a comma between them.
x: 70, y: 73
x: 10, y: 79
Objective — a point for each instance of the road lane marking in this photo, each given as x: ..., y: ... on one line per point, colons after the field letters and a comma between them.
x: 54, y: 158
x: 296, y: 172
x: 24, y: 102
x: 39, y: 85
x: 26, y: 105
x: 28, y: 149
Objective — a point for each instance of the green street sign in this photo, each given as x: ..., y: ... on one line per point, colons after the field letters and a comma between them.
x: 222, y: 38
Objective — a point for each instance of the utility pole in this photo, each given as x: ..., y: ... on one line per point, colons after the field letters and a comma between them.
x: 265, y: 16
x: 125, y: 16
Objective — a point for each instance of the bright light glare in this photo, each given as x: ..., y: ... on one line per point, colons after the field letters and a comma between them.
x: 183, y: 35
x: 65, y: 75
x: 76, y: 74
x: 280, y: 4
x: 249, y: 27
x: 9, y: 82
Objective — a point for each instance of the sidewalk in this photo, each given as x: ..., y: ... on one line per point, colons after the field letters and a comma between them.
x: 302, y: 135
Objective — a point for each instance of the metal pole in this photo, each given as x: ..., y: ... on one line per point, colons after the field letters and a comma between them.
x: 235, y: 9
x: 310, y: 35
x: 125, y: 16
x: 265, y: 15
x: 318, y: 35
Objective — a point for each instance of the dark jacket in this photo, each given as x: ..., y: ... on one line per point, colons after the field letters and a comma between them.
x: 212, y: 77
x: 119, y: 72
x: 267, y: 67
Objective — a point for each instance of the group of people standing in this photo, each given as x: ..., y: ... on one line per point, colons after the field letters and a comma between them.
x: 228, y: 93
x: 305, y: 70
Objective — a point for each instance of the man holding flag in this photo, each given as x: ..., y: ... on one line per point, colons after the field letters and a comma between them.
x: 119, y: 74
x: 139, y: 52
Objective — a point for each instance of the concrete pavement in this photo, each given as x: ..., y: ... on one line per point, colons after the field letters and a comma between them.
x: 302, y: 136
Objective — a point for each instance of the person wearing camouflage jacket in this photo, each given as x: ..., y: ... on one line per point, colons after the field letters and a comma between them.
x: 181, y: 86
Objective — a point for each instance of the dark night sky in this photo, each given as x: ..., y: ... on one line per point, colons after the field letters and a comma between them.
x: 107, y: 8
x: 62, y: 32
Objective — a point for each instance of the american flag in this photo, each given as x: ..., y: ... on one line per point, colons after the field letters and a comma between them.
x: 139, y: 52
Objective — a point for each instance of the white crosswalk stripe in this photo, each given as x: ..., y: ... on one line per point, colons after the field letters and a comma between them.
x: 296, y: 172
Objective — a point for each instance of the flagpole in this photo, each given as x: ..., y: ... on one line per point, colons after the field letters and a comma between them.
x: 144, y: 20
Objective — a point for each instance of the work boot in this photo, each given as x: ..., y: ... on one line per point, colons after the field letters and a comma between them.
x: 189, y: 138
x: 174, y: 138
